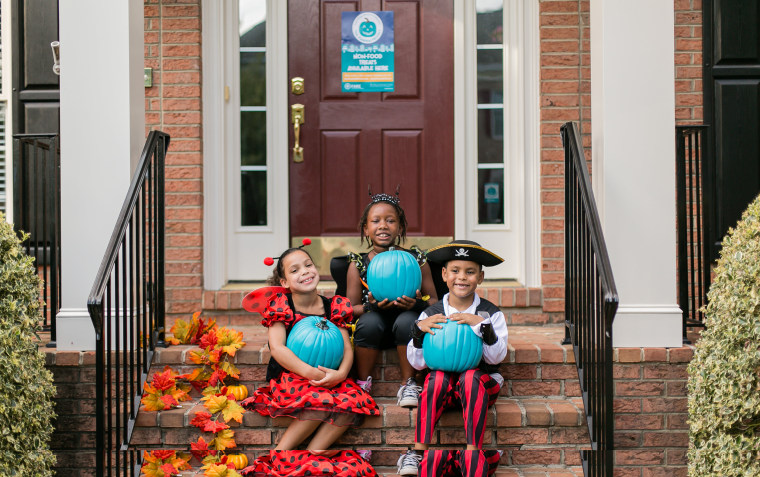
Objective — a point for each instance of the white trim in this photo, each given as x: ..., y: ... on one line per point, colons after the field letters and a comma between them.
x: 214, y: 166
x: 462, y: 117
x: 532, y: 146
x: 647, y: 326
x: 74, y: 330
x: 7, y: 69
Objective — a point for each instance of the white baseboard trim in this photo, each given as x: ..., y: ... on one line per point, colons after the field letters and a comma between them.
x: 647, y: 326
x: 74, y: 330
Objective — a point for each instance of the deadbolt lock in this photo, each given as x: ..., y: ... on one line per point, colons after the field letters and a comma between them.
x: 296, y: 85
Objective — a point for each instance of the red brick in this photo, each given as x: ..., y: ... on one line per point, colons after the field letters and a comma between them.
x: 639, y: 421
x: 639, y: 457
x: 666, y: 439
x: 629, y: 355
x: 639, y: 388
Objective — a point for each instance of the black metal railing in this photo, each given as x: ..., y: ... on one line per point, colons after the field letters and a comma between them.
x: 591, y: 301
x: 693, y: 262
x: 126, y: 306
x: 37, y: 211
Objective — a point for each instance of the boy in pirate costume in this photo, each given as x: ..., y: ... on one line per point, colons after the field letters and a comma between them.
x: 475, y: 390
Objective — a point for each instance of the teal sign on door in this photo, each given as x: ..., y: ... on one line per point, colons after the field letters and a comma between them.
x: 367, y: 51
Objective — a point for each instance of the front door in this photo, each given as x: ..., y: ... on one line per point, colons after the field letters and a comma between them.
x: 355, y: 141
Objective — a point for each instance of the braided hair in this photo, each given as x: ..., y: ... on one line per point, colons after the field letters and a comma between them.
x: 394, y: 201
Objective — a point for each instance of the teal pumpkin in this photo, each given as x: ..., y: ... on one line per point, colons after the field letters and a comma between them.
x: 454, y: 348
x: 394, y: 274
x: 317, y: 342
x: 367, y: 28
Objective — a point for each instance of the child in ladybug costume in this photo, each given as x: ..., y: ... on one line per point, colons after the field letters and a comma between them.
x: 321, y: 401
x: 474, y: 390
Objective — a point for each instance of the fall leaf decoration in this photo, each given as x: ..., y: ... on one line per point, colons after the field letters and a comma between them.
x: 163, y: 392
x: 164, y: 463
x: 220, y: 470
x: 217, y: 348
x: 200, y: 449
x: 190, y: 333
x: 230, y: 409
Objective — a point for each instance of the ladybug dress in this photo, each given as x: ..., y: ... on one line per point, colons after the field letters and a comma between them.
x: 291, y: 395
x: 298, y: 463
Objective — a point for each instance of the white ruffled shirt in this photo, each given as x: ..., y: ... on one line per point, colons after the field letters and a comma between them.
x: 493, y: 354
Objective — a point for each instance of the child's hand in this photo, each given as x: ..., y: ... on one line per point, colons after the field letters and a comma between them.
x: 431, y: 322
x: 406, y: 303
x: 466, y: 318
x: 332, y: 378
x: 384, y: 305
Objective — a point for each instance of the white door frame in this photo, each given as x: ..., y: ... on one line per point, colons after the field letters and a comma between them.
x: 221, y: 136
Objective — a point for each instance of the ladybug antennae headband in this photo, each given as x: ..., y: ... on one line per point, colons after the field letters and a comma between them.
x: 269, y: 261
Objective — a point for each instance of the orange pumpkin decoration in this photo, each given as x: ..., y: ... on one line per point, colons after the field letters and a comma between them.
x: 240, y: 391
x: 240, y: 461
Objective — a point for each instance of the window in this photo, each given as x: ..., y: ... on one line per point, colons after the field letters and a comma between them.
x: 490, y: 105
x: 253, y: 113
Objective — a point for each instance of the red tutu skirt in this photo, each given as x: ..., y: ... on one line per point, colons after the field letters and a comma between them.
x: 293, y: 396
x: 297, y: 463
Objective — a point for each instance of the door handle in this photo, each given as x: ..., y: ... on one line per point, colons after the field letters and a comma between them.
x: 297, y: 117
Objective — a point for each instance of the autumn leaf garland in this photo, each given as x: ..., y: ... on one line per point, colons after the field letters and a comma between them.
x: 217, y: 350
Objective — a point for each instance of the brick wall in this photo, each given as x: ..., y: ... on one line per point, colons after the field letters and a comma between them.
x: 565, y: 96
x: 173, y: 105
x: 73, y: 440
x: 688, y: 61
x: 651, y: 429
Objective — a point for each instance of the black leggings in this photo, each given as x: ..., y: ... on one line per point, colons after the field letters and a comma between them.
x: 378, y: 330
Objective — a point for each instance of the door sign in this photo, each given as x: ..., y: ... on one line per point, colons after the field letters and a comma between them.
x: 367, y: 54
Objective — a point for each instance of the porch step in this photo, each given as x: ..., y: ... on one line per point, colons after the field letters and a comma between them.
x: 554, y: 423
x: 538, y: 420
x: 528, y: 471
x: 537, y: 364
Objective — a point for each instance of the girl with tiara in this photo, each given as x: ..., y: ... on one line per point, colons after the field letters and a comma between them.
x: 321, y: 401
x: 385, y: 324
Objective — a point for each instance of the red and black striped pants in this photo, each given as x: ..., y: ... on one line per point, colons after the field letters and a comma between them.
x: 459, y: 463
x: 474, y: 390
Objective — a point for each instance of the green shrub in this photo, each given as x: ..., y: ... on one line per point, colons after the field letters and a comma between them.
x: 26, y: 387
x: 724, y: 376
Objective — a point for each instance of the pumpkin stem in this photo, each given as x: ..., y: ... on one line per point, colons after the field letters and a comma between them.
x: 322, y: 324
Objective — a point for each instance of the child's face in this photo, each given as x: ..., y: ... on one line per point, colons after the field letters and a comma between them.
x: 300, y: 273
x: 382, y: 226
x: 462, y: 277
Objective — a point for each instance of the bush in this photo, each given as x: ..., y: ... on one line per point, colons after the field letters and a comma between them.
x: 724, y: 376
x: 26, y: 387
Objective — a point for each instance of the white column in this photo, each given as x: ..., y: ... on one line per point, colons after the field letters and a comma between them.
x: 633, y: 155
x: 102, y: 133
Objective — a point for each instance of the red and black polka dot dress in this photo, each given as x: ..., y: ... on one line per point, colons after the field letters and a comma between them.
x: 297, y: 463
x: 289, y: 394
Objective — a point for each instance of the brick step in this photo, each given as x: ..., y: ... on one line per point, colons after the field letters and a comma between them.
x: 553, y: 423
x: 537, y: 363
x: 385, y: 471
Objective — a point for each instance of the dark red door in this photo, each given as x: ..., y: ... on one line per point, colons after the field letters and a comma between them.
x: 352, y: 140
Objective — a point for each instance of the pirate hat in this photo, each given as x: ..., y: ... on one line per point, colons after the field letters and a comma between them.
x: 463, y: 250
